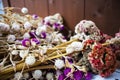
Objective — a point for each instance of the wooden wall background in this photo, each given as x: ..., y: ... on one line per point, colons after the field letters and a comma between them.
x: 105, y: 13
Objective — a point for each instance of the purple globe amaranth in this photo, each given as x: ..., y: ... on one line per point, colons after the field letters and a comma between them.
x: 78, y: 75
x: 37, y: 41
x: 66, y: 71
x: 43, y: 35
x: 56, y: 25
x: 88, y: 76
x: 61, y: 77
x: 32, y: 34
x: 61, y: 27
x: 26, y: 42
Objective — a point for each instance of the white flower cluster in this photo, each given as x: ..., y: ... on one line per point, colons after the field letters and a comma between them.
x: 74, y: 46
x: 11, y: 38
x: 37, y: 74
x: 88, y: 30
x: 24, y: 10
x: 59, y: 63
x: 30, y: 60
x: 53, y: 19
x: 16, y: 26
x: 4, y: 27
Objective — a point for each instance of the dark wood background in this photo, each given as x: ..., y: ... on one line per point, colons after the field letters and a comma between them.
x: 105, y: 13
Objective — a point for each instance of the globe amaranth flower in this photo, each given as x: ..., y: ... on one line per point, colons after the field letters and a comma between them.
x: 88, y: 76
x: 37, y: 41
x: 62, y: 27
x: 66, y: 71
x: 102, y: 59
x: 61, y: 77
x: 35, y: 16
x: 43, y: 35
x: 32, y: 34
x: 78, y: 75
x: 56, y: 25
x: 26, y: 42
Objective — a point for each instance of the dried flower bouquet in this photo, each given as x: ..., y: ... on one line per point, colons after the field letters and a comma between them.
x: 32, y: 47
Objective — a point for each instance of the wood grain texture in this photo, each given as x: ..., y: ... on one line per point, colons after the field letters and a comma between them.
x: 71, y: 10
x: 5, y: 3
x: 105, y: 13
x: 39, y: 7
x: 18, y: 4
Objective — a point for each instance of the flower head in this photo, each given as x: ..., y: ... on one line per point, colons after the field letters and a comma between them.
x: 37, y: 41
x: 34, y: 16
x: 37, y: 74
x: 32, y: 34
x: 43, y: 35
x: 26, y: 42
x: 61, y: 77
x: 88, y: 76
x: 102, y: 59
x: 59, y: 63
x: 78, y: 75
x: 24, y: 10
x: 30, y: 60
x: 66, y: 71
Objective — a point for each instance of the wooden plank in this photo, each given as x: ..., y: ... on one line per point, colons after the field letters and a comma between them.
x: 105, y: 13
x: 39, y: 7
x: 18, y: 4
x: 71, y: 10
x: 6, y: 3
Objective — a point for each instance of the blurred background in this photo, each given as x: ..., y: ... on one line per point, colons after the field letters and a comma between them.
x: 105, y: 13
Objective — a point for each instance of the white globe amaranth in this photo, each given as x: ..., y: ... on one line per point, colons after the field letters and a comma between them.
x: 30, y: 60
x: 4, y: 27
x: 37, y: 74
x: 40, y: 29
x: 59, y: 63
x: 26, y: 35
x: 14, y: 52
x: 49, y: 76
x: 15, y: 26
x: 23, y: 53
x: 24, y: 10
x: 18, y: 75
x: 26, y: 75
x: 11, y: 38
x: 27, y: 25
x: 77, y: 46
x: 69, y: 49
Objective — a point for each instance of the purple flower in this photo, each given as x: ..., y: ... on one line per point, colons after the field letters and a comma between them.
x: 43, y: 35
x: 61, y: 77
x: 26, y: 42
x: 32, y: 34
x: 56, y: 25
x: 66, y: 71
x: 78, y: 75
x: 88, y: 76
x: 36, y: 40
x: 70, y: 60
x: 61, y: 27
x: 35, y: 16
x: 48, y: 23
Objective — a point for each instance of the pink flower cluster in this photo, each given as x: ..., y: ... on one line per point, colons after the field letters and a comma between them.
x: 102, y: 59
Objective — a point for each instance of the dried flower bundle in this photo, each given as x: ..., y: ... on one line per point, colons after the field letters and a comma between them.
x: 32, y: 47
